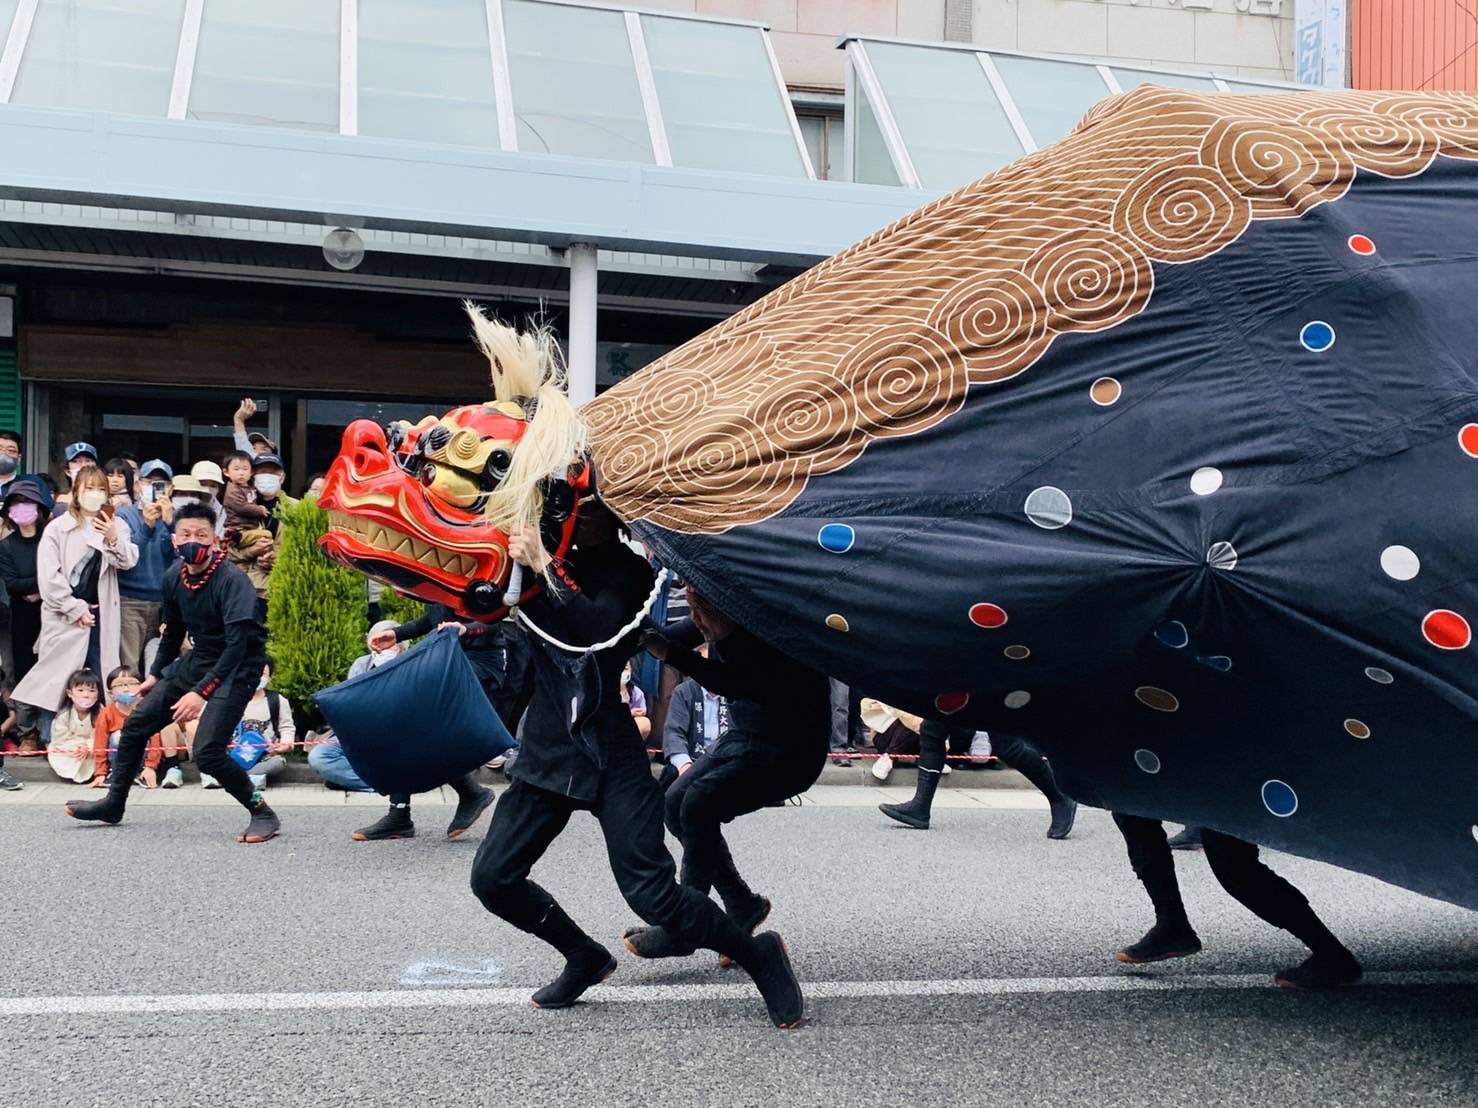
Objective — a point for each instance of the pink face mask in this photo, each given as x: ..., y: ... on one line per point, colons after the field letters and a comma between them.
x: 23, y: 513
x: 84, y: 701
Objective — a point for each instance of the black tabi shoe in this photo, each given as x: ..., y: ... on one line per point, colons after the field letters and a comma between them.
x: 583, y: 971
x: 748, y: 920
x: 469, y: 810
x: 394, y: 824
x: 1161, y: 942
x: 264, y: 825
x: 1064, y: 814
x: 1328, y: 969
x: 103, y: 810
x: 654, y: 942
x: 1188, y: 838
x: 775, y: 978
x: 904, y: 813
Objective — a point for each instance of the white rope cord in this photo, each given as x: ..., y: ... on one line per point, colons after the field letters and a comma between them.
x: 631, y: 626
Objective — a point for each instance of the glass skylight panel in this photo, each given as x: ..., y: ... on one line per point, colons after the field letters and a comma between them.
x: 871, y: 162
x: 272, y: 62
x: 1051, y: 96
x: 426, y: 71
x: 720, y: 101
x: 1130, y: 79
x: 952, y: 124
x: 574, y: 82
x: 104, y: 55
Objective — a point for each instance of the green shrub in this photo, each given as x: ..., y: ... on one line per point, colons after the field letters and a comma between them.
x: 316, y: 620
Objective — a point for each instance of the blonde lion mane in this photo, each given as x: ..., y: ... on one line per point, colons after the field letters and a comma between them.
x: 527, y: 366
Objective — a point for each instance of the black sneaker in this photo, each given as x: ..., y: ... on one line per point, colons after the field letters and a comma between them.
x: 1188, y: 838
x: 775, y: 978
x: 99, y: 811
x: 8, y: 781
x: 469, y: 811
x: 264, y: 825
x: 584, y: 971
x: 654, y: 942
x: 1329, y: 969
x: 748, y: 920
x: 1161, y: 942
x: 1064, y: 814
x: 394, y: 824
x: 904, y: 814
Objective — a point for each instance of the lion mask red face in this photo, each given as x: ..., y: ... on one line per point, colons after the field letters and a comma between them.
x: 407, y: 506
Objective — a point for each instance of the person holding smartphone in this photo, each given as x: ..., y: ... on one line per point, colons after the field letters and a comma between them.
x: 141, y: 588
x: 79, y: 558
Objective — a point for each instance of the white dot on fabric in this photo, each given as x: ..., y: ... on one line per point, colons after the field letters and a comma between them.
x: 1378, y: 675
x: 1049, y: 507
x: 1017, y: 652
x: 1400, y: 562
x: 1475, y: 832
x: 1206, y: 480
x: 1222, y: 555
x: 1018, y: 699
x: 1147, y: 760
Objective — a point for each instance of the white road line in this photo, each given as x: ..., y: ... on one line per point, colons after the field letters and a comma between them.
x: 653, y: 994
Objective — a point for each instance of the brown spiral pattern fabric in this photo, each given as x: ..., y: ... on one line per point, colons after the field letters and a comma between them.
x: 886, y: 338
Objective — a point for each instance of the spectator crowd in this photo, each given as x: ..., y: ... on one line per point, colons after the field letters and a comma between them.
x: 83, y: 561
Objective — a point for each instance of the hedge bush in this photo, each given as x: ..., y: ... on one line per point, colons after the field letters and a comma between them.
x: 316, y: 620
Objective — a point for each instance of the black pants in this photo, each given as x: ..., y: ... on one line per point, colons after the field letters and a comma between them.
x: 528, y: 819
x: 1237, y: 868
x: 1021, y: 755
x: 213, y: 732
x: 727, y: 782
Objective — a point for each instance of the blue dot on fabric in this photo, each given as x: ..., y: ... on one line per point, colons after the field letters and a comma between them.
x: 1219, y: 662
x: 1279, y: 798
x: 1172, y: 633
x: 1317, y: 336
x: 836, y: 537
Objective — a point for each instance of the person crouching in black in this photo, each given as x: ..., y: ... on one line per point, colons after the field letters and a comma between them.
x: 212, y: 600
x: 774, y: 748
x: 581, y: 750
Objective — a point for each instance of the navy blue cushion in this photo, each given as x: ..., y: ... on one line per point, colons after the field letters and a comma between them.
x: 417, y: 722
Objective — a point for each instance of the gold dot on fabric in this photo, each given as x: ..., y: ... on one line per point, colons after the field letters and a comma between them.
x: 1357, y: 729
x: 838, y: 623
x: 1017, y: 652
x: 1158, y: 699
x: 1105, y: 391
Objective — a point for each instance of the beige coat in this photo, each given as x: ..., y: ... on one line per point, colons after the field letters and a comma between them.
x: 61, y: 648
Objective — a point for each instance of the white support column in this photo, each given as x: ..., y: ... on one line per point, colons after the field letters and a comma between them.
x: 581, y: 352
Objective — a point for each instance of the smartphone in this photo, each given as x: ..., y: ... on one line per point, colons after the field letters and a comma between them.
x: 150, y: 493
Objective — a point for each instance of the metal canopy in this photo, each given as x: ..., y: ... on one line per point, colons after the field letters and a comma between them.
x: 940, y: 115
x: 89, y: 157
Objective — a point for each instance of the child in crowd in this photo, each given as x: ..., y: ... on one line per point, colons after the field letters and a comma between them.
x: 636, y: 700
x: 246, y: 521
x: 71, y: 752
x: 123, y: 694
x: 266, y: 725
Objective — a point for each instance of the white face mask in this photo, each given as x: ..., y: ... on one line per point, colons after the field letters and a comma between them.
x: 267, y: 484
x: 90, y: 500
x: 380, y: 657
x: 179, y: 502
x: 262, y: 684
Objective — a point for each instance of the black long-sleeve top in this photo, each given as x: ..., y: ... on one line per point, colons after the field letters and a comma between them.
x: 18, y: 563
x: 576, y: 715
x: 774, y: 702
x: 223, y: 622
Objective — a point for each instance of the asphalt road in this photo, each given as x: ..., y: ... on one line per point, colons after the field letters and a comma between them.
x: 161, y: 963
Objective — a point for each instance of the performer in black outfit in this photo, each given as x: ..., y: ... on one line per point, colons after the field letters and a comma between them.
x: 1257, y: 888
x: 212, y: 600
x: 1016, y: 752
x: 775, y: 747
x: 581, y: 750
x: 500, y: 659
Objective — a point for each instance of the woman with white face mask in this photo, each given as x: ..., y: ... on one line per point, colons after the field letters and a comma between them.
x: 77, y: 563
x: 266, y: 726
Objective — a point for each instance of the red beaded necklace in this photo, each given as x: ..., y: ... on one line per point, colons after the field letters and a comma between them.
x: 196, y: 582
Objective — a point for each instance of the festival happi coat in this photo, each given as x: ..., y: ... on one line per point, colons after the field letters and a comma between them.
x: 1158, y: 446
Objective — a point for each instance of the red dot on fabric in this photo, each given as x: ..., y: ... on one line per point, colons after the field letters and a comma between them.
x: 1467, y: 438
x: 951, y: 702
x: 1446, y: 630
x: 1362, y: 244
x: 988, y: 615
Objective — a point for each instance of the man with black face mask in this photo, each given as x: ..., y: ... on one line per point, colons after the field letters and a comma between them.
x: 213, y: 601
x: 11, y: 447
